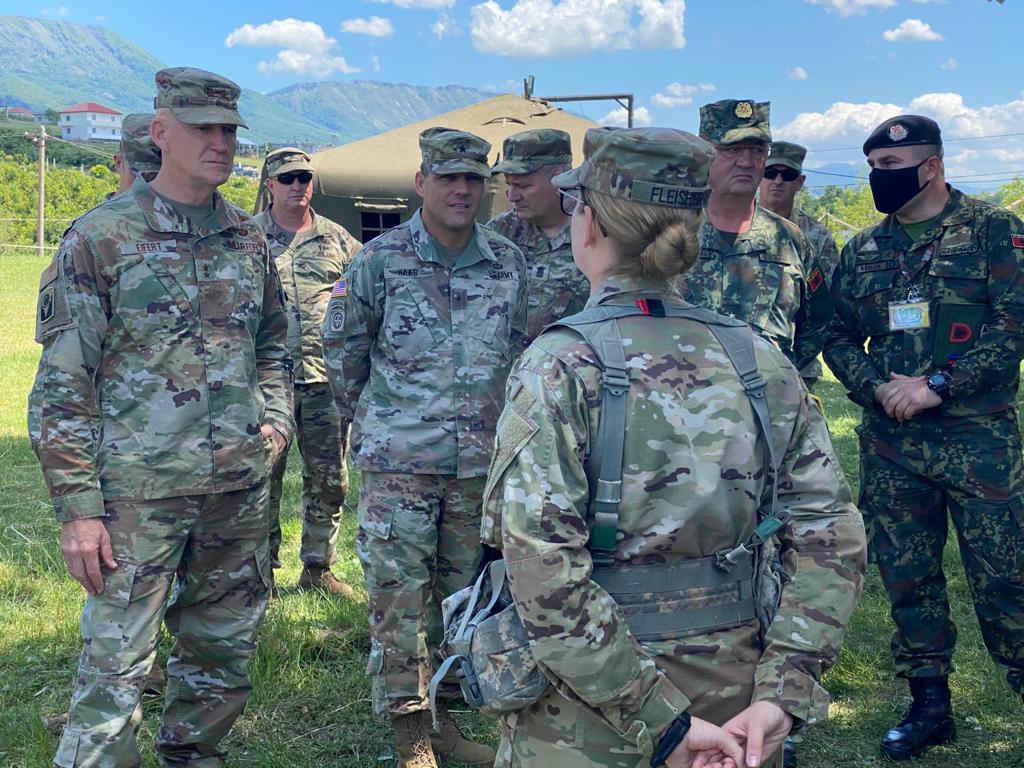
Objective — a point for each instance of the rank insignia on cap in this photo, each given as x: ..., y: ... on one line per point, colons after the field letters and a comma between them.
x: 815, y: 279
x: 460, y: 147
x: 340, y: 289
x: 1017, y: 241
x: 897, y: 132
x: 744, y: 110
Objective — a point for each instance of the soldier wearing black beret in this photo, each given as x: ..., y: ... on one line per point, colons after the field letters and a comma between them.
x: 936, y: 291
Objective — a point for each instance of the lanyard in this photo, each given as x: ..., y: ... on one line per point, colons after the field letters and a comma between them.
x: 913, y: 291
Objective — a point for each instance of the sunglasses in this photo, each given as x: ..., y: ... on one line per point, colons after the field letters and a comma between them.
x: 787, y: 174
x: 288, y: 179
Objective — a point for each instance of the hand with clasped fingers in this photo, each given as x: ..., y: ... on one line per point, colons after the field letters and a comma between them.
x: 760, y: 729
x: 706, y: 746
x: 903, y: 397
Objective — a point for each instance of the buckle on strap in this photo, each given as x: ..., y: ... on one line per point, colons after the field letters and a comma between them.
x: 753, y: 383
x: 615, y: 380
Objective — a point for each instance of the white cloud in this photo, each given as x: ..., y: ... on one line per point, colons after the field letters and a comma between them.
x: 537, y: 28
x: 680, y: 94
x: 301, y: 63
x: 375, y: 62
x: 933, y: 2
x: 912, y: 31
x: 619, y: 116
x: 846, y: 8
x: 950, y: 63
x: 445, y: 26
x: 797, y: 73
x: 432, y: 5
x: 375, y: 26
x: 282, y: 33
x: 848, y: 125
x: 63, y: 11
x: 306, y: 47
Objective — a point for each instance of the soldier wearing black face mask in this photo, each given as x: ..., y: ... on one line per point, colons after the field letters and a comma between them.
x: 936, y: 290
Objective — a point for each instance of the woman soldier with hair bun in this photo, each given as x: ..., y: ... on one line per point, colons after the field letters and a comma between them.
x: 633, y: 496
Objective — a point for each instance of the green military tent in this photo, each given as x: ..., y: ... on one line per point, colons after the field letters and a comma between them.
x: 367, y: 186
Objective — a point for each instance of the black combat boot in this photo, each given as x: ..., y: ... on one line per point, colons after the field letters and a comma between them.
x: 929, y: 720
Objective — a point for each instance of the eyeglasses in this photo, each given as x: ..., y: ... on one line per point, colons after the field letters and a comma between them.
x: 733, y: 151
x: 787, y: 174
x: 288, y: 179
x: 570, y: 201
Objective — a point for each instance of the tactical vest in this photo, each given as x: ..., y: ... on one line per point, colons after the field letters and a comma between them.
x: 489, y: 650
x: 657, y: 598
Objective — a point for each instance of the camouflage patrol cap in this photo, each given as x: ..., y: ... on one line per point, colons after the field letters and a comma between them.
x: 137, y: 148
x: 527, y: 151
x: 197, y: 97
x: 287, y: 160
x: 663, y: 166
x: 788, y: 154
x: 730, y: 121
x: 448, y: 151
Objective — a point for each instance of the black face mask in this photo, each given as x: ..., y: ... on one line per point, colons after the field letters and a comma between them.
x: 892, y: 188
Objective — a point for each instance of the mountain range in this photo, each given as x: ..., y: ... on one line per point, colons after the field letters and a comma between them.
x: 50, y: 64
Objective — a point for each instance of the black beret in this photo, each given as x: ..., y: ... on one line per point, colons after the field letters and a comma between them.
x: 904, y: 131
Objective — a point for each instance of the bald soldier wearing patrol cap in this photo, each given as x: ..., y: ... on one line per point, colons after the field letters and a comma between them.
x: 538, y: 226
x: 311, y: 253
x: 783, y: 179
x: 163, y: 393
x: 754, y: 265
x: 418, y: 338
x: 936, y: 291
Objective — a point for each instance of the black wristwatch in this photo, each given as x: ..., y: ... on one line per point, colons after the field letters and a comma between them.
x: 674, y: 734
x: 938, y: 383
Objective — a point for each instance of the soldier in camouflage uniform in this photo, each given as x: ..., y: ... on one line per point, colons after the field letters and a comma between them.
x: 538, y: 226
x: 754, y: 265
x: 311, y: 253
x: 693, y: 463
x: 783, y: 178
x: 137, y: 154
x: 163, y: 391
x: 936, y: 290
x: 418, y: 338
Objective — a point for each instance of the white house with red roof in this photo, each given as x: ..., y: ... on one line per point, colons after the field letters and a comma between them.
x: 19, y: 112
x: 90, y: 121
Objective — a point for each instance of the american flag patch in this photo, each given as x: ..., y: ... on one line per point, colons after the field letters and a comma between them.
x: 340, y: 289
x: 815, y: 279
x: 1017, y: 241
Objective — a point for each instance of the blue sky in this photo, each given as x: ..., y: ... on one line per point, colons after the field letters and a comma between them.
x: 831, y: 68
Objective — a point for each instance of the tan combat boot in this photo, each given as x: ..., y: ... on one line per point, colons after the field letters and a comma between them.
x: 451, y: 744
x: 315, y: 577
x: 155, y: 680
x: 412, y: 741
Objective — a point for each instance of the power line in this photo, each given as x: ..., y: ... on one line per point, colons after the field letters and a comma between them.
x: 944, y: 141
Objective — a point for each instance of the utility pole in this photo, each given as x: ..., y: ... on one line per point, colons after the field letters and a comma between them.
x: 40, y: 140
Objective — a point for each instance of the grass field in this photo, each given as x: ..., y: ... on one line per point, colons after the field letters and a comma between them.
x: 310, y: 704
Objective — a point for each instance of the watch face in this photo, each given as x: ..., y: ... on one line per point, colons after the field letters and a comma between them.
x: 937, y: 380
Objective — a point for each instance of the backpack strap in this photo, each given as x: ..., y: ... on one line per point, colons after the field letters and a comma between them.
x: 600, y: 330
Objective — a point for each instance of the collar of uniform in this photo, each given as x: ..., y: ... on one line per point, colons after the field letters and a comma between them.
x: 624, y: 286
x: 756, y: 238
x: 957, y: 211
x: 421, y: 240
x: 535, y: 236
x: 276, y: 232
x: 161, y: 218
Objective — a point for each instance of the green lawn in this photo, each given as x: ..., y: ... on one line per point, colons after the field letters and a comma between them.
x: 310, y: 705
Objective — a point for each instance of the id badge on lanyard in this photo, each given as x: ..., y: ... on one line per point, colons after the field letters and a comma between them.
x: 913, y: 312
x: 910, y: 314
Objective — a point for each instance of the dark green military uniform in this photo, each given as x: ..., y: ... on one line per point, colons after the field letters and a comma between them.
x: 964, y: 456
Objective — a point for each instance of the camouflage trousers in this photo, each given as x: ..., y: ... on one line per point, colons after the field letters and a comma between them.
x: 216, y: 546
x: 911, y: 476
x: 418, y: 541
x: 715, y: 671
x: 322, y: 437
